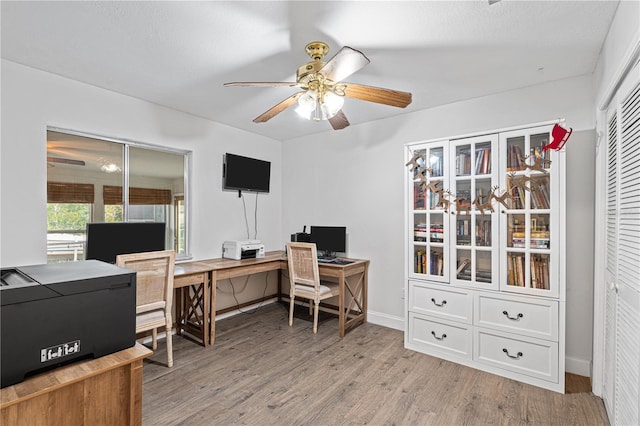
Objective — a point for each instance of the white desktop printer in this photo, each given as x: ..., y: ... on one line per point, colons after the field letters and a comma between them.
x: 242, y: 249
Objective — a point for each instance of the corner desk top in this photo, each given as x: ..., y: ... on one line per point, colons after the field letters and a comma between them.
x: 272, y: 260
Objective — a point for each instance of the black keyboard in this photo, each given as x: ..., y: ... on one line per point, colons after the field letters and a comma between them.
x: 334, y: 260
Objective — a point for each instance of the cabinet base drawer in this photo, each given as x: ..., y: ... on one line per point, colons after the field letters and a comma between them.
x: 529, y: 316
x: 528, y: 356
x: 442, y: 336
x: 451, y: 304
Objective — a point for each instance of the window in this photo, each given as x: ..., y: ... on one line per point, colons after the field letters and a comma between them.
x: 97, y: 180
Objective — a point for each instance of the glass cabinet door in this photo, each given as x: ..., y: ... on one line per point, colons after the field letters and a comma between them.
x: 530, y: 231
x: 474, y: 233
x: 428, y: 220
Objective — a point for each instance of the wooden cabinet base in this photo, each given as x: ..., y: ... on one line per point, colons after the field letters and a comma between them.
x: 106, y: 390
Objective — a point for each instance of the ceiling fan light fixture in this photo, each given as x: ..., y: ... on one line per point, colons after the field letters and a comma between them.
x: 312, y: 107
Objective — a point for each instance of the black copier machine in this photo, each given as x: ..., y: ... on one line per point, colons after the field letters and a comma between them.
x: 57, y: 313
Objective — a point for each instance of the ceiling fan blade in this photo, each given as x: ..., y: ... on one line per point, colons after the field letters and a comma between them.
x: 378, y: 95
x: 65, y: 161
x: 343, y: 64
x: 262, y: 83
x: 277, y: 109
x: 339, y: 121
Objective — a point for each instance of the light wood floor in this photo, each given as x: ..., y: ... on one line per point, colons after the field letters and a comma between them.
x: 263, y: 372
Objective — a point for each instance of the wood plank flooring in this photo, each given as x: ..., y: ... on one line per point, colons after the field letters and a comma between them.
x: 263, y: 372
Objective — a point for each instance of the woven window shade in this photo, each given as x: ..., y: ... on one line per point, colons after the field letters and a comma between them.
x: 65, y: 192
x: 138, y: 196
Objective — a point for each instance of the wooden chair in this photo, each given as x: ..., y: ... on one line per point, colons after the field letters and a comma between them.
x: 305, y: 279
x: 154, y: 292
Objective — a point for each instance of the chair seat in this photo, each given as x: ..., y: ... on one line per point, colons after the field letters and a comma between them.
x: 148, y: 320
x: 325, y: 289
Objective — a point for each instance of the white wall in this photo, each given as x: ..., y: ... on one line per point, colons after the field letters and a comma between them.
x: 355, y: 177
x: 33, y: 100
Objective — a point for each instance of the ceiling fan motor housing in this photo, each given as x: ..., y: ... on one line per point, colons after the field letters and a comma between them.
x: 307, y: 72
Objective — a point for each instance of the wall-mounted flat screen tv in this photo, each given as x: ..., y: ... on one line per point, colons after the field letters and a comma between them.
x: 245, y: 174
x: 107, y: 240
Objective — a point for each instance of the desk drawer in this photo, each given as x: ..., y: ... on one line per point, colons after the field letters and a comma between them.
x: 530, y: 316
x: 442, y: 336
x: 453, y: 304
x: 524, y: 355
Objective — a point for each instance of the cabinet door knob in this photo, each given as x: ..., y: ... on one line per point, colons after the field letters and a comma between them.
x: 444, y: 302
x: 516, y: 318
x: 518, y: 355
x: 444, y: 336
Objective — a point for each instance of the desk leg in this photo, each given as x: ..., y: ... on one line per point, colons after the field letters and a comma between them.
x: 212, y: 306
x: 341, y: 313
x: 205, y: 310
x: 365, y: 296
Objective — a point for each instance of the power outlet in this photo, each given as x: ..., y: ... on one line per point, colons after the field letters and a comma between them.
x: 402, y: 293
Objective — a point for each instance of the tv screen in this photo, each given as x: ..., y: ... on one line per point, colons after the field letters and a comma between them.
x: 329, y: 239
x: 246, y: 174
x: 107, y: 240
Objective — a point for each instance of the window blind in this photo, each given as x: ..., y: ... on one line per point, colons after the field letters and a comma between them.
x: 137, y: 196
x: 66, y: 192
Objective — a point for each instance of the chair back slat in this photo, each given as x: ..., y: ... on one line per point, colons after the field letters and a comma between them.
x: 154, y: 277
x: 303, y: 264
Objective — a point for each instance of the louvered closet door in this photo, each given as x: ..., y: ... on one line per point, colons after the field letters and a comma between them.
x: 622, y: 316
x: 611, y: 262
x: 628, y: 309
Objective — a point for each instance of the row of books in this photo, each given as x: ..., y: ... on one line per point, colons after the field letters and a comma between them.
x: 481, y: 276
x: 463, y: 162
x: 540, y: 194
x: 432, y: 264
x: 463, y: 232
x: 515, y: 159
x: 420, y: 197
x: 539, y: 271
x: 483, y: 161
x: 435, y: 233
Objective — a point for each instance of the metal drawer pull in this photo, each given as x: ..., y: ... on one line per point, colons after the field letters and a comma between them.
x: 444, y: 302
x: 444, y: 336
x: 511, y: 356
x: 516, y: 318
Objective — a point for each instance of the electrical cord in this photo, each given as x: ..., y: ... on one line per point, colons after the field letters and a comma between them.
x: 246, y: 221
x: 255, y: 218
x: 244, y: 286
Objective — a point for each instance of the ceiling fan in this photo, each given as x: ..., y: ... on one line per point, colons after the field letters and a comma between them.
x: 323, y: 90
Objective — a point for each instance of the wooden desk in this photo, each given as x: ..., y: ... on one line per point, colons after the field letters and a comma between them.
x: 105, y: 390
x: 352, y: 278
x: 193, y: 298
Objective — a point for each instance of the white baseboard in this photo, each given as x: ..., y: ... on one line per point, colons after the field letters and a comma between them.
x: 581, y: 367
x: 385, y: 320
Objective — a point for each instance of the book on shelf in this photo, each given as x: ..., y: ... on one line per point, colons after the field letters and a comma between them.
x: 418, y: 197
x: 515, y: 160
x: 483, y: 161
x: 540, y: 193
x: 463, y: 162
x: 483, y: 233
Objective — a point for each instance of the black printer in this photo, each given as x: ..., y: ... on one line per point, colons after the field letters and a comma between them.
x: 57, y: 313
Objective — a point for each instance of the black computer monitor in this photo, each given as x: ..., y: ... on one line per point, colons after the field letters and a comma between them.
x: 329, y: 239
x: 107, y: 240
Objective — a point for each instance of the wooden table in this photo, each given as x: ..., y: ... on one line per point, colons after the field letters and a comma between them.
x: 352, y: 279
x: 193, y: 298
x: 105, y: 390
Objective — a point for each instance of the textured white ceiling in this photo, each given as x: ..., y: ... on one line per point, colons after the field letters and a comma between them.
x: 178, y: 54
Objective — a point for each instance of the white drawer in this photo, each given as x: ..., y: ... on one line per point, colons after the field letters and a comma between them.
x: 433, y: 334
x: 450, y: 304
x: 524, y: 355
x: 529, y: 316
